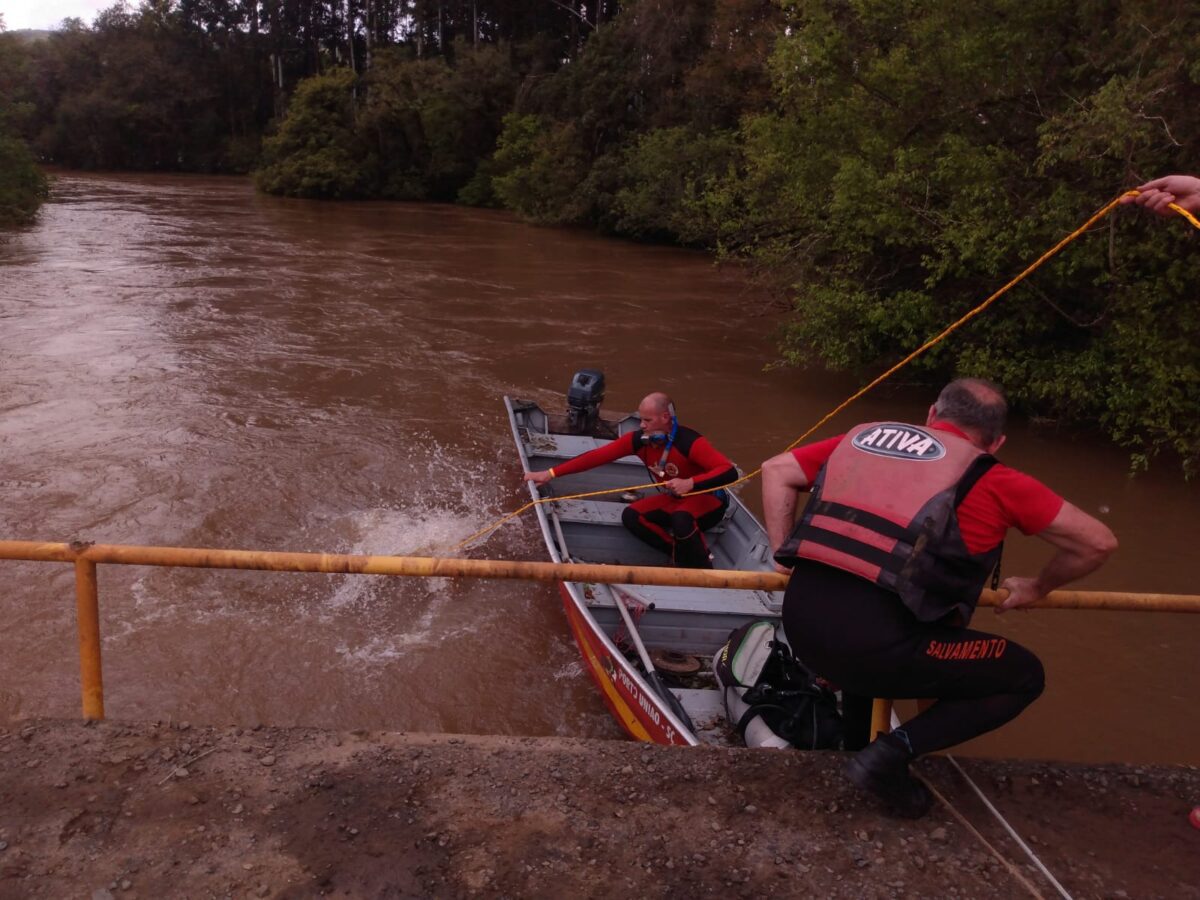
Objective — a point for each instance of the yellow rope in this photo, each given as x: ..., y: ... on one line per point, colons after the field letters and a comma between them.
x: 1175, y: 206
x: 932, y: 342
x: 539, y: 502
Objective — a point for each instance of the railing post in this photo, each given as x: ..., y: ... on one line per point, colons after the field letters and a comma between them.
x: 881, y: 717
x: 881, y: 714
x: 87, y: 613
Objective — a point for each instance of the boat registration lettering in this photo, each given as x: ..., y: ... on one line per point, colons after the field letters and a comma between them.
x: 647, y: 706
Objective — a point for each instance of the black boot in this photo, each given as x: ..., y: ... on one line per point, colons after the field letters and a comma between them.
x: 882, y: 769
x: 691, y: 552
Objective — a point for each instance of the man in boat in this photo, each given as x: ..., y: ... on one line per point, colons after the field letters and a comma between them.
x: 683, y: 462
x: 902, y: 532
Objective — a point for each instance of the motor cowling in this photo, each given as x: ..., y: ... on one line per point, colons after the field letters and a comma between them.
x: 584, y: 397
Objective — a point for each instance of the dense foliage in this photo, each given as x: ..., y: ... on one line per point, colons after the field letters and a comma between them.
x: 22, y: 184
x: 920, y: 154
x: 908, y: 159
x: 418, y: 131
x: 884, y: 166
x: 194, y: 85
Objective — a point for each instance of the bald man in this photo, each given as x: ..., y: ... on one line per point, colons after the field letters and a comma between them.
x: 902, y: 532
x: 682, y: 461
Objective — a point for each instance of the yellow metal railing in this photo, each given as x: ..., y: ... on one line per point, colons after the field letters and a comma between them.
x: 87, y: 556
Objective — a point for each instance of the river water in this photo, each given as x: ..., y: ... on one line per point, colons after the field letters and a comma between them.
x: 188, y: 363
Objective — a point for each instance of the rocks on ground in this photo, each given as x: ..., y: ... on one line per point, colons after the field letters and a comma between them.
x: 123, y: 811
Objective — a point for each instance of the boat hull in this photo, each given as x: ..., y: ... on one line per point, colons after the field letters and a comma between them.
x: 636, y: 710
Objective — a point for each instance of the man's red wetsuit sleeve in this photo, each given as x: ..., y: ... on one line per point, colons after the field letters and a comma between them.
x: 716, y: 469
x: 610, y: 452
x: 812, y: 456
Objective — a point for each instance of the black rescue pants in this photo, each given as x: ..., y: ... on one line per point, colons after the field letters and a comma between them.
x: 864, y: 639
x: 687, y: 547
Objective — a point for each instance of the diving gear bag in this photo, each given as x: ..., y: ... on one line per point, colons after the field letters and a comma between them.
x: 770, y: 697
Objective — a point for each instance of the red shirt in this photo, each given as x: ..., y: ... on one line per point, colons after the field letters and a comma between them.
x: 1003, y: 498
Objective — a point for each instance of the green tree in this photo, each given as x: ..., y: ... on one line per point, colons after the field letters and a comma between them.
x: 563, y: 155
x: 137, y: 90
x: 666, y: 177
x: 538, y: 168
x: 23, y: 186
x: 920, y: 154
x: 430, y: 123
x: 317, y: 152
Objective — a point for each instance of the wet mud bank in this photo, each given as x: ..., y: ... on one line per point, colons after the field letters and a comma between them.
x: 169, y: 809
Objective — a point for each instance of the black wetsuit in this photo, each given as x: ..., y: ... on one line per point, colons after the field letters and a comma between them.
x: 865, y: 640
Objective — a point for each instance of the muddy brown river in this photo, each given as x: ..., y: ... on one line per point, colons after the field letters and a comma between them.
x: 185, y: 362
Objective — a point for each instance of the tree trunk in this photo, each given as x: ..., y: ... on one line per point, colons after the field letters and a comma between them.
x: 575, y: 37
x: 371, y: 24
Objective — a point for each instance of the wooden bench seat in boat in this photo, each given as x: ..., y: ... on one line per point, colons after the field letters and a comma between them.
x: 665, y: 599
x: 600, y: 512
x: 691, y: 600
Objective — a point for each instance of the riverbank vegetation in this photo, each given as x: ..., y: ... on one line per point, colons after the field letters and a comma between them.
x: 881, y: 167
x: 23, y: 187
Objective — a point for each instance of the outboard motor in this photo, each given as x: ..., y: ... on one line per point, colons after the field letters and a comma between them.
x: 584, y: 397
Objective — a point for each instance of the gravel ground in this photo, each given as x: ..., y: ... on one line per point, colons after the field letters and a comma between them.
x: 170, y: 810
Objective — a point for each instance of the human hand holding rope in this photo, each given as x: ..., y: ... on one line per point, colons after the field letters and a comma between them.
x: 679, y: 487
x: 1167, y: 196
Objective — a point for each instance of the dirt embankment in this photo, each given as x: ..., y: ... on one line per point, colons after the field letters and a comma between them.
x: 165, y: 810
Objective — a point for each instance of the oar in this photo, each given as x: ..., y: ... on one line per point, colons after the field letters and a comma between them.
x: 446, y: 567
x: 648, y: 664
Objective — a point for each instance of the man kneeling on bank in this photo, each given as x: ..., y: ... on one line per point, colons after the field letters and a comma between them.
x: 902, y: 532
x: 682, y: 461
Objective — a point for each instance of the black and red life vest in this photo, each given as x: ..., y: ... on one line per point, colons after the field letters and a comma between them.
x: 684, y: 453
x: 884, y: 507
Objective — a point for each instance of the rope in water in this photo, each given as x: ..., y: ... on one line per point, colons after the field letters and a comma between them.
x: 929, y: 344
